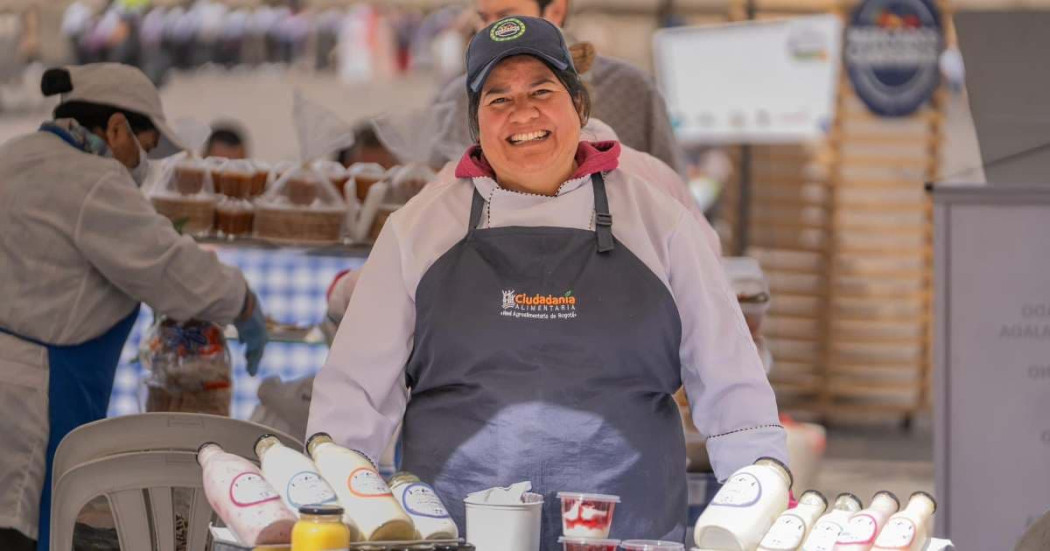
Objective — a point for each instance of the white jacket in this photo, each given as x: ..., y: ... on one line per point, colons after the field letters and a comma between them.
x: 363, y: 378
x: 80, y: 246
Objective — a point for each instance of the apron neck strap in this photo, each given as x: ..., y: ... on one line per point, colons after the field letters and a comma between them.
x: 477, y: 206
x: 602, y: 217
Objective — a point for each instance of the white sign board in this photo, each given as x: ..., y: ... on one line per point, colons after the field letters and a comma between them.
x: 752, y: 82
x: 992, y: 389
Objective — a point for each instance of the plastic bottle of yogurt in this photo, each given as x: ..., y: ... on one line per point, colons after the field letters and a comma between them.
x: 828, y: 527
x: 745, y: 507
x: 369, y: 503
x: 792, y: 526
x: 909, y: 529
x: 422, y: 503
x: 243, y: 499
x: 863, y: 526
x: 292, y: 474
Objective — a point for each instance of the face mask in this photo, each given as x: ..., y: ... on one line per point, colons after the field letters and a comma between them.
x: 141, y: 170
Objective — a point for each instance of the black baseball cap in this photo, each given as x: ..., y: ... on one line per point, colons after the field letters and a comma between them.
x: 512, y: 36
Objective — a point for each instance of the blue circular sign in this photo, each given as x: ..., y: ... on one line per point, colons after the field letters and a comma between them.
x: 892, y: 54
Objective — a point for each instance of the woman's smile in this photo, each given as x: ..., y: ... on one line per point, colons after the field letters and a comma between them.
x: 529, y: 138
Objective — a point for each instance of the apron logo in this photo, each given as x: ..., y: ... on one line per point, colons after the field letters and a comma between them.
x: 537, y: 306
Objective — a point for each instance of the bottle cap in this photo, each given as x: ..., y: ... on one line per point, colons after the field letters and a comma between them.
x: 854, y: 502
x: 317, y: 438
x: 403, y: 477
x: 886, y: 493
x: 321, y: 510
x: 813, y: 497
x: 205, y: 445
x: 778, y: 464
x: 264, y: 443
x: 927, y: 496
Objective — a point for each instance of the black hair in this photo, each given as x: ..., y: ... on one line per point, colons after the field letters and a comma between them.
x: 581, y: 98
x: 543, y: 4
x: 96, y: 116
x: 225, y: 136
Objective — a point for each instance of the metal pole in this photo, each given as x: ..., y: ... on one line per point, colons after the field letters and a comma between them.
x: 744, y: 207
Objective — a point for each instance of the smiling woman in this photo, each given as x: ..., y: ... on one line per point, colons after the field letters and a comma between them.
x: 528, y: 114
x: 517, y: 334
x: 528, y: 120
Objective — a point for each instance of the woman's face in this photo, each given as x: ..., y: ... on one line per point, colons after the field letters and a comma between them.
x: 528, y: 124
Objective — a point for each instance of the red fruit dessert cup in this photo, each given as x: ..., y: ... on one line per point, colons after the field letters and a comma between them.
x: 587, y: 544
x: 587, y: 515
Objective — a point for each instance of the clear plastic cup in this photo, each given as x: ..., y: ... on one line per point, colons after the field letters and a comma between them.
x: 651, y: 545
x: 587, y: 515
x: 588, y: 544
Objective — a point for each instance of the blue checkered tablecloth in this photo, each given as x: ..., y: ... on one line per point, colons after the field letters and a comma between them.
x: 291, y: 284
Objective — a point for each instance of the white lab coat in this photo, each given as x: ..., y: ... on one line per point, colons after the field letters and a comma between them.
x: 80, y: 246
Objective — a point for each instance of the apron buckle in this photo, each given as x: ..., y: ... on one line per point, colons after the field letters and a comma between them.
x: 603, y: 219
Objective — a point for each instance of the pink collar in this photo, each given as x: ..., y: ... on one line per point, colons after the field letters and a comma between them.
x: 590, y: 158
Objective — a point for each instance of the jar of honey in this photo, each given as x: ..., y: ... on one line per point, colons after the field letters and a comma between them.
x: 320, y: 528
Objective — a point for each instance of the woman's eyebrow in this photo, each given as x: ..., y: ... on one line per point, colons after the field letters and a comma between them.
x: 544, y: 80
x: 495, y: 90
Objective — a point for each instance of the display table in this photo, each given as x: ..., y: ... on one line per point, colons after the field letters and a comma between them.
x: 291, y: 284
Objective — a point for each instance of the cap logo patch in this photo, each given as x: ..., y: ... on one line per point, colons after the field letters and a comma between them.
x: 508, y: 29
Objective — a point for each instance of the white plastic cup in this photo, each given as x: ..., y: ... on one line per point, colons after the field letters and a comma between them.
x: 587, y: 544
x: 587, y: 515
x: 514, y: 527
x: 651, y: 545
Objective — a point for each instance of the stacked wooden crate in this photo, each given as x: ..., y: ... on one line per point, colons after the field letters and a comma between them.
x: 842, y: 227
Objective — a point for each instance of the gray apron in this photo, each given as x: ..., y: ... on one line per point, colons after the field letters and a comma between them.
x: 549, y: 355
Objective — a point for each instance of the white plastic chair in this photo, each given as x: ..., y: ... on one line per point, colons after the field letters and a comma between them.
x: 159, y: 431
x: 129, y: 458
x: 139, y: 488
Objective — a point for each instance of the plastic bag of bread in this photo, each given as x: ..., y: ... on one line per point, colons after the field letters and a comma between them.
x: 302, y: 207
x: 362, y: 177
x: 409, y: 181
x: 184, y: 191
x: 335, y: 172
x: 187, y: 366
x: 236, y: 179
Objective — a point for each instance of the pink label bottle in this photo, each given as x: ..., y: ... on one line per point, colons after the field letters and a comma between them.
x: 909, y: 529
x: 864, y: 526
x: 243, y: 499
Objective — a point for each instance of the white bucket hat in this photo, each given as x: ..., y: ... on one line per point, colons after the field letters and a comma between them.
x: 115, y: 85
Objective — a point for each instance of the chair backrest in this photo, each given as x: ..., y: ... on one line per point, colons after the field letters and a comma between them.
x: 1037, y: 537
x: 159, y: 431
x: 139, y: 487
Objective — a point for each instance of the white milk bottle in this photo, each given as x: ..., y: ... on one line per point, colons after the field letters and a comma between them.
x: 369, y: 504
x: 828, y: 527
x: 744, y: 508
x: 790, y: 529
x: 422, y: 503
x: 292, y: 474
x: 863, y: 526
x: 908, y: 530
x: 238, y: 493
